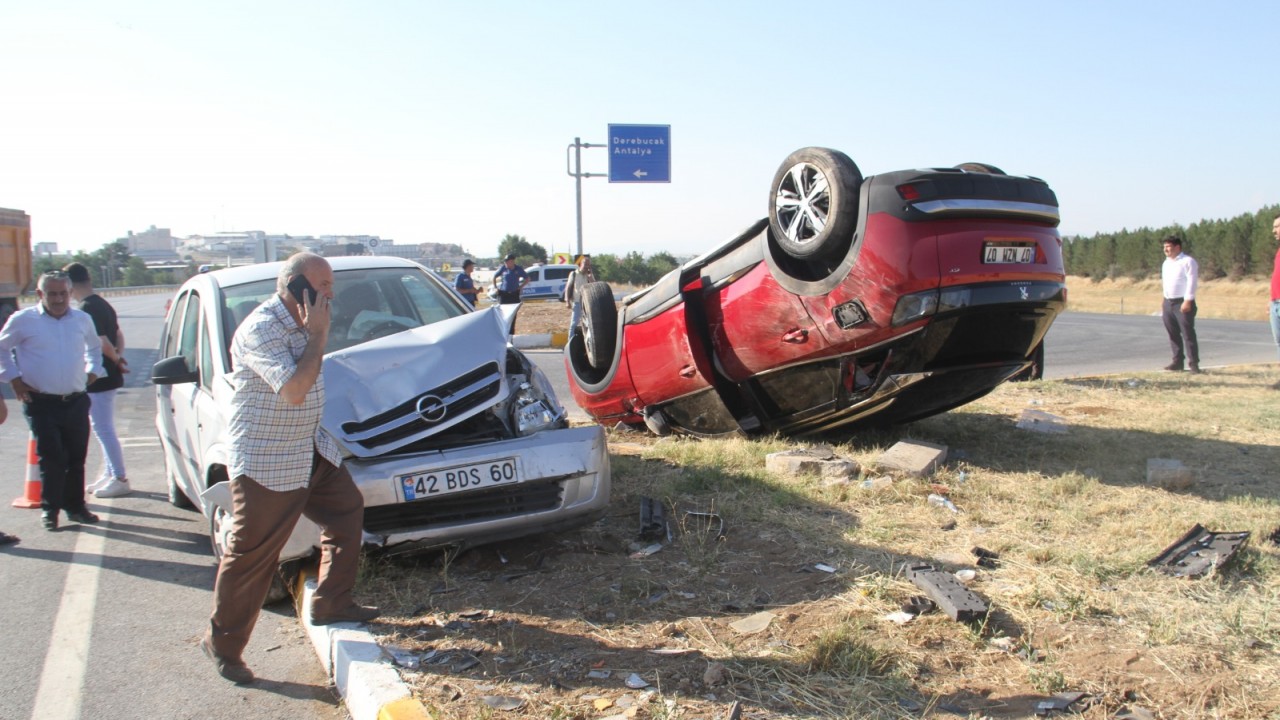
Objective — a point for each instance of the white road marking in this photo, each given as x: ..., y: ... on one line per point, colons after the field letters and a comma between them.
x: 62, y: 680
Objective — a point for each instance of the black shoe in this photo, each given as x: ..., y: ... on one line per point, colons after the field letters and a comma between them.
x: 236, y: 672
x: 1174, y: 367
x: 50, y: 520
x: 351, y: 614
x: 1194, y: 370
x: 84, y: 517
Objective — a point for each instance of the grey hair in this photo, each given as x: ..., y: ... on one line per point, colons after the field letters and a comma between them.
x: 296, y: 264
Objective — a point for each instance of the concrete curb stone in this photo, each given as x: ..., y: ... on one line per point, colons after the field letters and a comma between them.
x: 369, y: 685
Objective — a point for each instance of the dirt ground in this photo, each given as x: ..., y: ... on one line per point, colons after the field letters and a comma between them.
x: 542, y: 316
x: 600, y: 623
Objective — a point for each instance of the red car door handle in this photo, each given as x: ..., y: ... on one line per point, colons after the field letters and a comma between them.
x: 688, y: 371
x: 797, y: 335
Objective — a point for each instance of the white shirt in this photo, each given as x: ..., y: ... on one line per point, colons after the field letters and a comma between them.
x: 272, y: 441
x: 52, y: 355
x: 1180, y: 275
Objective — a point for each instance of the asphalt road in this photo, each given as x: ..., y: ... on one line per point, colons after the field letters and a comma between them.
x: 102, y: 621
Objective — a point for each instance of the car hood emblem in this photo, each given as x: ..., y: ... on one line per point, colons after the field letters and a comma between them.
x: 431, y: 408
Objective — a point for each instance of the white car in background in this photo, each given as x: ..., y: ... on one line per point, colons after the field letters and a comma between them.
x: 452, y: 435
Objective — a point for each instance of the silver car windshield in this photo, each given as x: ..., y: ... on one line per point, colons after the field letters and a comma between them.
x: 367, y: 304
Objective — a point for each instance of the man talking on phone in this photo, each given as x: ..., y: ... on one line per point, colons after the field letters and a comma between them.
x: 282, y: 467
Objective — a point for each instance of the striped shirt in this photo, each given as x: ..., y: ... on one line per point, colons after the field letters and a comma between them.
x: 272, y: 441
x: 52, y: 355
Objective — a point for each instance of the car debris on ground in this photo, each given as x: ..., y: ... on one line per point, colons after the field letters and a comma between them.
x: 957, y: 601
x: 1199, y: 552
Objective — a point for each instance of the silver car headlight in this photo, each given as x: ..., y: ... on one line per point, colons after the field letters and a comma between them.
x: 534, y: 405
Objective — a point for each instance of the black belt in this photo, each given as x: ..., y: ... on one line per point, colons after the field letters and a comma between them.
x: 56, y: 398
x: 1173, y: 300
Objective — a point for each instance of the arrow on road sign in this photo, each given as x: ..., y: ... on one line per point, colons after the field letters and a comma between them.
x: 640, y: 173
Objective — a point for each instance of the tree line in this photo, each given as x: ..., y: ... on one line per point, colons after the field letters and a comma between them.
x: 1236, y: 248
x: 630, y: 269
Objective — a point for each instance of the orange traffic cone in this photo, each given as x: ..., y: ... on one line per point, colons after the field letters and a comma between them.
x: 31, y: 497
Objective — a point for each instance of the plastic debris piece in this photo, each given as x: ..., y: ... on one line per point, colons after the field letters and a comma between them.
x: 503, y: 702
x: 601, y: 704
x: 824, y: 568
x: 711, y: 520
x: 653, y: 520
x: 753, y: 624
x: 1061, y: 702
x: 404, y: 658
x: 966, y: 575
x: 900, y: 617
x: 647, y: 551
x: 943, y: 502
x: 599, y: 674
x: 1198, y: 552
x: 919, y: 605
x: 635, y: 682
x: 1135, y: 713
x: 877, y: 483
x: 957, y: 601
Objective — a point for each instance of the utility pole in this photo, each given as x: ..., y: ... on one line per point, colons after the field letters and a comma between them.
x: 575, y: 172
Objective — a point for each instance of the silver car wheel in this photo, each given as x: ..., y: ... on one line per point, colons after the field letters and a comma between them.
x: 802, y: 202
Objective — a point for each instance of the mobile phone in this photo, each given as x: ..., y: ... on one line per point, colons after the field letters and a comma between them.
x: 297, y: 286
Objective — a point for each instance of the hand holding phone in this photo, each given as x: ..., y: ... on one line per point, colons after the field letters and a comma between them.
x: 299, y: 286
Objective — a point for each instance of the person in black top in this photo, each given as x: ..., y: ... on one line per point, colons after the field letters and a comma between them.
x: 114, y: 481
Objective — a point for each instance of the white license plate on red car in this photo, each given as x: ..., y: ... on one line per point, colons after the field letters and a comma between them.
x: 1005, y: 253
x: 420, y: 486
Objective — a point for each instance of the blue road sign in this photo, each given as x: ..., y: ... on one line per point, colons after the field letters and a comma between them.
x: 639, y: 153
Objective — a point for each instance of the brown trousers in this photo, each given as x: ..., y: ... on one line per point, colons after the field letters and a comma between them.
x: 262, y: 521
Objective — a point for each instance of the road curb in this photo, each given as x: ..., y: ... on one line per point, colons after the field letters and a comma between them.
x: 353, y: 660
x: 533, y: 341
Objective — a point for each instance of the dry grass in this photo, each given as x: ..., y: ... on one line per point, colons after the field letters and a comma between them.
x: 1222, y: 299
x: 1074, y: 606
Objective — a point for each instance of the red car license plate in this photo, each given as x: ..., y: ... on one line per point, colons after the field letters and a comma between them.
x: 1004, y: 253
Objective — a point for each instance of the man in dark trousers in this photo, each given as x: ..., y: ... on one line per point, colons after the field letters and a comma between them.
x: 282, y: 467
x: 49, y: 354
x: 114, y: 480
x: 510, y: 280
x: 1180, y: 274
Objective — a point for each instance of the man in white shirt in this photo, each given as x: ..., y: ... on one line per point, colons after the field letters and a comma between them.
x: 1180, y: 274
x: 50, y: 353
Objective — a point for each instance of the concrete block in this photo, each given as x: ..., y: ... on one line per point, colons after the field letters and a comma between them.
x: 1169, y: 474
x: 1041, y: 421
x: 818, y: 460
x: 914, y: 457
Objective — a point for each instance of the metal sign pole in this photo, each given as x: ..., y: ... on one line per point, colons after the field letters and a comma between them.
x: 576, y: 173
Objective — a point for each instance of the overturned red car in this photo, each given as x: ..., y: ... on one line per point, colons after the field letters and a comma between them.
x: 880, y: 300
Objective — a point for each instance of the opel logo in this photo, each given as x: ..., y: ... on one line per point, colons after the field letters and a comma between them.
x: 432, y: 408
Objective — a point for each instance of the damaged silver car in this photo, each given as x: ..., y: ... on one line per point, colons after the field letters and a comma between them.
x: 452, y: 435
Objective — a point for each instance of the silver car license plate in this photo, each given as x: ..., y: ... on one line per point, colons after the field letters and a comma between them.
x: 420, y: 486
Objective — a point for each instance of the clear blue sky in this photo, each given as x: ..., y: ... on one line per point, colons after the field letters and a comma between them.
x: 449, y: 121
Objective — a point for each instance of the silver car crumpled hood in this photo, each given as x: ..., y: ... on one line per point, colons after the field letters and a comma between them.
x: 454, y: 361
